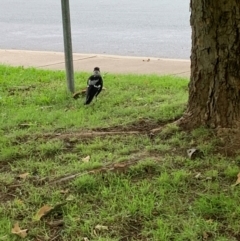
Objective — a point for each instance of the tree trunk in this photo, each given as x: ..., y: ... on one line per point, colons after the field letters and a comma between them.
x: 214, y: 88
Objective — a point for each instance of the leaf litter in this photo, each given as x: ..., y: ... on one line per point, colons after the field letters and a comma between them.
x: 18, y: 231
x: 86, y: 159
x: 46, y: 210
x: 43, y: 211
x: 238, y: 180
x: 23, y: 176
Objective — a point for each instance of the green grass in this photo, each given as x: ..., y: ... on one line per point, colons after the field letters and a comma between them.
x: 134, y: 186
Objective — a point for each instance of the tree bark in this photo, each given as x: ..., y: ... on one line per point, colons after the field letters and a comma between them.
x: 214, y: 88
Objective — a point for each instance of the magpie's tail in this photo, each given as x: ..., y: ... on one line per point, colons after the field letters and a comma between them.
x: 91, y: 92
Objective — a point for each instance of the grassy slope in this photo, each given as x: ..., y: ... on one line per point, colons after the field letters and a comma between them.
x: 147, y: 188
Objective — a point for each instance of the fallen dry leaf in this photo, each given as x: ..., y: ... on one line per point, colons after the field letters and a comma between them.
x: 198, y: 175
x: 238, y: 179
x: 209, y: 178
x: 23, y: 176
x: 101, y: 227
x: 46, y: 209
x: 209, y: 221
x: 64, y: 191
x: 70, y: 197
x: 43, y: 211
x: 85, y: 239
x: 20, y: 232
x: 95, y: 233
x: 205, y: 235
x: 86, y: 159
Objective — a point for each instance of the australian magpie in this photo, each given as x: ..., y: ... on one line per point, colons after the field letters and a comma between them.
x: 94, y: 85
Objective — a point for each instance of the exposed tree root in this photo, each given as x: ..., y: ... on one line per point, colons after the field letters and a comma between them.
x: 156, y: 130
x: 118, y: 167
x: 186, y: 122
x: 92, y: 134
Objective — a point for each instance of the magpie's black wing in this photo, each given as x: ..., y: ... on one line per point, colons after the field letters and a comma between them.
x: 98, y: 91
x: 91, y: 92
x: 100, y: 83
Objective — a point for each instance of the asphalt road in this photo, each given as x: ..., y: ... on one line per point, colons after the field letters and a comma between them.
x: 156, y: 28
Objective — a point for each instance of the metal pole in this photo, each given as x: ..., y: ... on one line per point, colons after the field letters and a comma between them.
x: 68, y: 44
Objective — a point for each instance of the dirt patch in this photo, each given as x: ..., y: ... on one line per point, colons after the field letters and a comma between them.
x: 132, y: 230
x: 4, y: 166
x: 10, y: 191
